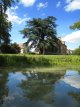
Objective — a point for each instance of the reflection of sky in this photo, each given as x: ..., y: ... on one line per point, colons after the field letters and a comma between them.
x: 13, y: 80
x: 71, y: 73
x: 62, y: 97
x: 15, y: 92
x: 70, y: 83
x: 72, y: 78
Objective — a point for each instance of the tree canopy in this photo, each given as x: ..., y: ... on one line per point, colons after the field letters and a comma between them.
x: 76, y: 25
x: 11, y: 48
x: 5, y: 25
x: 40, y: 33
x: 76, y: 51
x: 4, y: 4
x: 5, y: 28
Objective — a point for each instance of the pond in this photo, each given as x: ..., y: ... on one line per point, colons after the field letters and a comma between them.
x: 40, y: 89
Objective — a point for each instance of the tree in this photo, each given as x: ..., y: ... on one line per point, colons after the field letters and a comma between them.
x: 4, y: 4
x: 76, y: 25
x: 5, y: 25
x: 16, y: 48
x: 5, y: 28
x: 6, y: 49
x: 40, y: 33
x: 76, y: 51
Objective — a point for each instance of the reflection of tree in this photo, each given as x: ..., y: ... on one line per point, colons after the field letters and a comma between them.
x: 39, y: 86
x: 3, y: 88
x: 76, y: 96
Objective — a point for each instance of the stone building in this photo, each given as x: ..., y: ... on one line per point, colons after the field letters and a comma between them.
x: 23, y: 48
x: 58, y: 49
x: 62, y: 47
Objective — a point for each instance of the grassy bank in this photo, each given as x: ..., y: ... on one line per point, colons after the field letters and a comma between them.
x: 38, y: 60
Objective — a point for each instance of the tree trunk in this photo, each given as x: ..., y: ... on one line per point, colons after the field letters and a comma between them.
x: 42, y: 51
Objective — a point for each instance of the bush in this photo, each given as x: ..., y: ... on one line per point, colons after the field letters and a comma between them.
x: 6, y: 49
x: 10, y: 49
x: 76, y: 51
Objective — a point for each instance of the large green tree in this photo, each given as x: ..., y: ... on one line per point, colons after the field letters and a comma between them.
x: 40, y: 33
x: 5, y: 25
x: 5, y: 28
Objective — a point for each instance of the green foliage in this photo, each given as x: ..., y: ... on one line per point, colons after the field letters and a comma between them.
x: 4, y: 4
x: 10, y: 49
x: 76, y: 25
x: 15, y: 47
x: 5, y: 25
x: 6, y: 48
x: 76, y: 51
x: 5, y: 28
x: 41, y: 33
x: 39, y: 60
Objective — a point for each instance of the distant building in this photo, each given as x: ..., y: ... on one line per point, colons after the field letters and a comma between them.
x: 58, y: 49
x: 62, y: 47
x: 23, y: 48
x: 69, y: 51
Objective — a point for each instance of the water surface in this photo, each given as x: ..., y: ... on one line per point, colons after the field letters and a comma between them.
x: 40, y: 89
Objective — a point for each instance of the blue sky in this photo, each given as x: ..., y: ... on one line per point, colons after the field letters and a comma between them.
x: 66, y: 11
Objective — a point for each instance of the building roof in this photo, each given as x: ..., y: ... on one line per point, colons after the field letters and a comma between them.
x: 21, y: 45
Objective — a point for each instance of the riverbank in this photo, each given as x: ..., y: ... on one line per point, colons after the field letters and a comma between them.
x: 19, y: 60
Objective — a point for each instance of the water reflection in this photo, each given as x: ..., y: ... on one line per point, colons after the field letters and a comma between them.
x: 40, y: 89
x: 39, y: 86
x: 3, y: 87
x: 64, y: 87
x: 76, y: 97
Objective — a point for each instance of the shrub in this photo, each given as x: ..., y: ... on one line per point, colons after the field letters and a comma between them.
x: 76, y: 51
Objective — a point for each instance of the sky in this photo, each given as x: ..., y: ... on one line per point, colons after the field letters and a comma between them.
x: 66, y: 11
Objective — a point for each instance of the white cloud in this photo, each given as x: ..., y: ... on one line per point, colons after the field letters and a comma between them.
x: 28, y: 3
x: 42, y: 5
x: 73, y: 37
x: 58, y: 4
x: 14, y: 8
x: 72, y: 5
x: 14, y: 18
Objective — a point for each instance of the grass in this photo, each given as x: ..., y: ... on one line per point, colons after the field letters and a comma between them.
x: 19, y: 60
